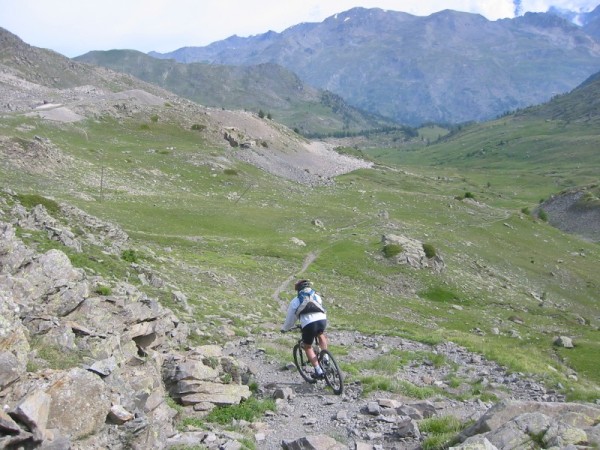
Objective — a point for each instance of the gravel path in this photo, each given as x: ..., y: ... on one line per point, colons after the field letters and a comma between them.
x: 308, y: 409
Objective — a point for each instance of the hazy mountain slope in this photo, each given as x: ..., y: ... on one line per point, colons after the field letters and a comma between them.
x: 447, y: 67
x: 580, y: 105
x: 266, y: 87
x: 592, y: 23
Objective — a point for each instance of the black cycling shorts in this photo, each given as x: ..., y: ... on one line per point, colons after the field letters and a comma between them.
x: 312, y: 330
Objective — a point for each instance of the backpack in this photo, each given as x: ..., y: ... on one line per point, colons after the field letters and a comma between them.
x: 308, y: 303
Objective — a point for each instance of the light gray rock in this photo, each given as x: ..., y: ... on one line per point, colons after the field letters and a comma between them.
x: 318, y: 442
x: 561, y: 435
x: 217, y: 393
x: 80, y: 403
x: 33, y: 411
x: 10, y: 369
x: 475, y: 443
x: 7, y: 424
x: 119, y: 415
x: 563, y: 341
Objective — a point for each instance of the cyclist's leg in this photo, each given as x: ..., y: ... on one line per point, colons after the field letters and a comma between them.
x: 309, y: 332
x: 323, y: 341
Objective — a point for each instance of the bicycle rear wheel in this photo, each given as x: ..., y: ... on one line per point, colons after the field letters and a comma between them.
x: 303, y: 365
x: 333, y: 374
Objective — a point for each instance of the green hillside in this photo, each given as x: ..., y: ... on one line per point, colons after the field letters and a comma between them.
x: 230, y: 253
x: 233, y: 237
x: 265, y: 87
x: 520, y: 158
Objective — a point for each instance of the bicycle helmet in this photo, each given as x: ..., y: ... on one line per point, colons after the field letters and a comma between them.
x: 301, y: 284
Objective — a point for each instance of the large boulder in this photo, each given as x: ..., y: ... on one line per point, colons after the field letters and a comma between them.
x: 14, y: 345
x: 79, y: 404
x: 518, y: 424
x: 413, y: 253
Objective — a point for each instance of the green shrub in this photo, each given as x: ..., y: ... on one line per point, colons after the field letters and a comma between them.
x: 526, y: 211
x: 261, y: 114
x: 154, y: 118
x: 211, y: 361
x: 31, y: 200
x: 429, y: 250
x: 103, y: 290
x: 391, y: 250
x: 144, y: 126
x: 542, y: 215
x: 230, y: 172
x: 247, y: 410
x: 198, y: 127
x: 129, y: 256
x: 441, y: 431
x: 440, y: 294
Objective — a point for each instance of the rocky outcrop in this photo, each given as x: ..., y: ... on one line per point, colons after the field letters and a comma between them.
x: 413, y: 253
x: 512, y: 425
x: 83, y: 370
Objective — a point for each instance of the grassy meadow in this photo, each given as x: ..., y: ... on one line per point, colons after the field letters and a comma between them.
x: 221, y: 232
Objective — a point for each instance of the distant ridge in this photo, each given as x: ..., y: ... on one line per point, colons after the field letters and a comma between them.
x: 267, y: 87
x: 447, y: 67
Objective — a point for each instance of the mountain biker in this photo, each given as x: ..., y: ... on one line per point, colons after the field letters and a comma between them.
x: 313, y: 324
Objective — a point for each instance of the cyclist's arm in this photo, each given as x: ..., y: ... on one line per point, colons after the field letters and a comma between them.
x: 290, y: 318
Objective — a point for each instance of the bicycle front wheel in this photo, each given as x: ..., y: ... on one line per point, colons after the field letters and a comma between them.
x: 333, y: 374
x: 303, y: 365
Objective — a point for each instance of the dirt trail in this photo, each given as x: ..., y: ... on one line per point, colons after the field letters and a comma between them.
x: 283, y: 286
x: 312, y: 409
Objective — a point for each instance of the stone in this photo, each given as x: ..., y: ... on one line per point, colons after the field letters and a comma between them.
x: 283, y: 393
x: 373, y: 408
x: 80, y: 403
x: 318, y: 442
x: 119, y: 415
x: 561, y: 434
x: 10, y: 369
x: 475, y: 443
x: 7, y: 424
x: 33, y: 411
x: 563, y: 341
x: 104, y: 367
x: 217, y: 393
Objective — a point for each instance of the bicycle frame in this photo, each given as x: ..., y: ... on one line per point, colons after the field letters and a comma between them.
x: 333, y: 375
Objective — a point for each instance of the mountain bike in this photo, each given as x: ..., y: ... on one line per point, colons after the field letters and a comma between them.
x: 333, y: 374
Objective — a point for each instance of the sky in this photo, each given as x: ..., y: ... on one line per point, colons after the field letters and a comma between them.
x: 74, y: 27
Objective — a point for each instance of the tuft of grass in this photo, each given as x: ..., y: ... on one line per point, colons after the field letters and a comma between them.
x: 441, y: 431
x: 440, y: 294
x: 247, y: 410
x: 372, y: 383
x: 129, y: 256
x: 31, y: 200
x: 103, y: 290
x: 55, y: 357
x: 429, y: 250
x: 391, y: 250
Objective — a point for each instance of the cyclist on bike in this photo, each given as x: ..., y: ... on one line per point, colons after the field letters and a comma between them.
x: 313, y: 324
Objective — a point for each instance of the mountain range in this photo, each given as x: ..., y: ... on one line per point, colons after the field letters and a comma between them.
x: 447, y: 67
